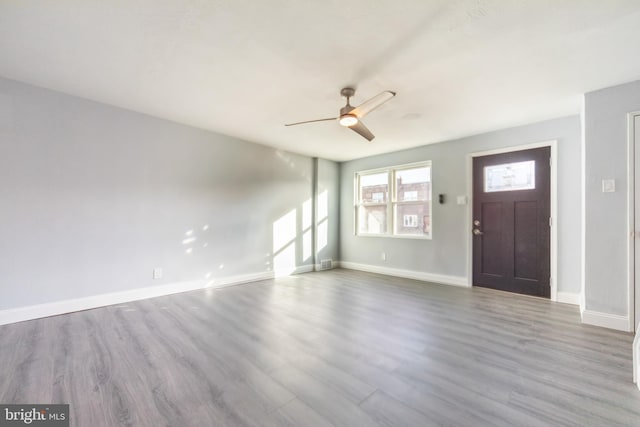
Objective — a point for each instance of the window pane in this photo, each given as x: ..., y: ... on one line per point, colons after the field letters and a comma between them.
x: 374, y: 188
x: 412, y: 219
x: 510, y: 177
x: 413, y: 184
x: 372, y: 219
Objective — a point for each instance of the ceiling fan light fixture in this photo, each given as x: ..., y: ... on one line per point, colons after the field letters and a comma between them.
x: 351, y: 117
x: 348, y: 120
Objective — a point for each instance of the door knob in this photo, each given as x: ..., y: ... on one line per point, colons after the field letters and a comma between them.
x: 477, y: 232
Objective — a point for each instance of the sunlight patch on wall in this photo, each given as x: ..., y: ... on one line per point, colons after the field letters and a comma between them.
x: 322, y: 239
x: 323, y: 234
x: 306, y: 214
x: 323, y: 205
x: 284, y: 244
x: 284, y: 230
x: 284, y: 263
x: 307, y: 249
x: 307, y: 232
x: 190, y: 238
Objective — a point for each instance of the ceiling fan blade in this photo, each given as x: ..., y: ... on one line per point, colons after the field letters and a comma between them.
x: 362, y: 130
x: 311, y: 121
x: 368, y: 106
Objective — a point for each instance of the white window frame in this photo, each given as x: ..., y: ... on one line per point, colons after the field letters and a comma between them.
x: 392, y: 201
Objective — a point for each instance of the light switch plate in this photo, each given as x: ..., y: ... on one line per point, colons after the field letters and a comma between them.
x: 462, y: 200
x: 608, y: 185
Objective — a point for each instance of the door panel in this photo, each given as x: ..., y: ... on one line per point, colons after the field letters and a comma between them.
x: 511, y: 243
x: 492, y: 238
x: 526, y: 240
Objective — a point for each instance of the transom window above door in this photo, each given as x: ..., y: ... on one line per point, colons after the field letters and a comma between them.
x: 510, y: 177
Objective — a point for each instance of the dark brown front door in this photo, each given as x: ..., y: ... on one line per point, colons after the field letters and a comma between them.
x: 511, y: 220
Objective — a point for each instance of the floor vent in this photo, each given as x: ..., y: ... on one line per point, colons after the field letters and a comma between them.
x: 326, y: 264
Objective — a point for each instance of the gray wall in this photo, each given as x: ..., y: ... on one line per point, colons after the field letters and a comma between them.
x: 606, y: 157
x: 446, y: 253
x: 327, y: 219
x: 94, y: 197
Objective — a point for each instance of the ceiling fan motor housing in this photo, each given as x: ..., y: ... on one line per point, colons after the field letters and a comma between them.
x: 347, y: 92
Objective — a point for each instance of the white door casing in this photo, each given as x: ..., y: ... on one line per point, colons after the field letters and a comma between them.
x: 634, y: 270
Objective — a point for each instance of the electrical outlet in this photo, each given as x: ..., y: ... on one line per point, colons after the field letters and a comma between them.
x: 384, y: 256
x: 157, y: 273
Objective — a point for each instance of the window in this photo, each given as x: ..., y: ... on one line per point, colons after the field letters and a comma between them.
x: 394, y: 201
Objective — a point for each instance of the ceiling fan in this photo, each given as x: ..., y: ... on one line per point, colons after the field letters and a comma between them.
x: 351, y: 117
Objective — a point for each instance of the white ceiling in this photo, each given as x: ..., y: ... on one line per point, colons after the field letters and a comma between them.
x: 246, y: 67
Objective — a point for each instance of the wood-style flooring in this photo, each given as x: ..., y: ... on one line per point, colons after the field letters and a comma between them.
x: 339, y: 348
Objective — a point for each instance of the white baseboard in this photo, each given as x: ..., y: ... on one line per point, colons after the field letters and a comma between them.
x: 568, y: 298
x: 21, y: 314
x: 304, y: 269
x: 37, y: 311
x: 605, y: 320
x: 408, y: 274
